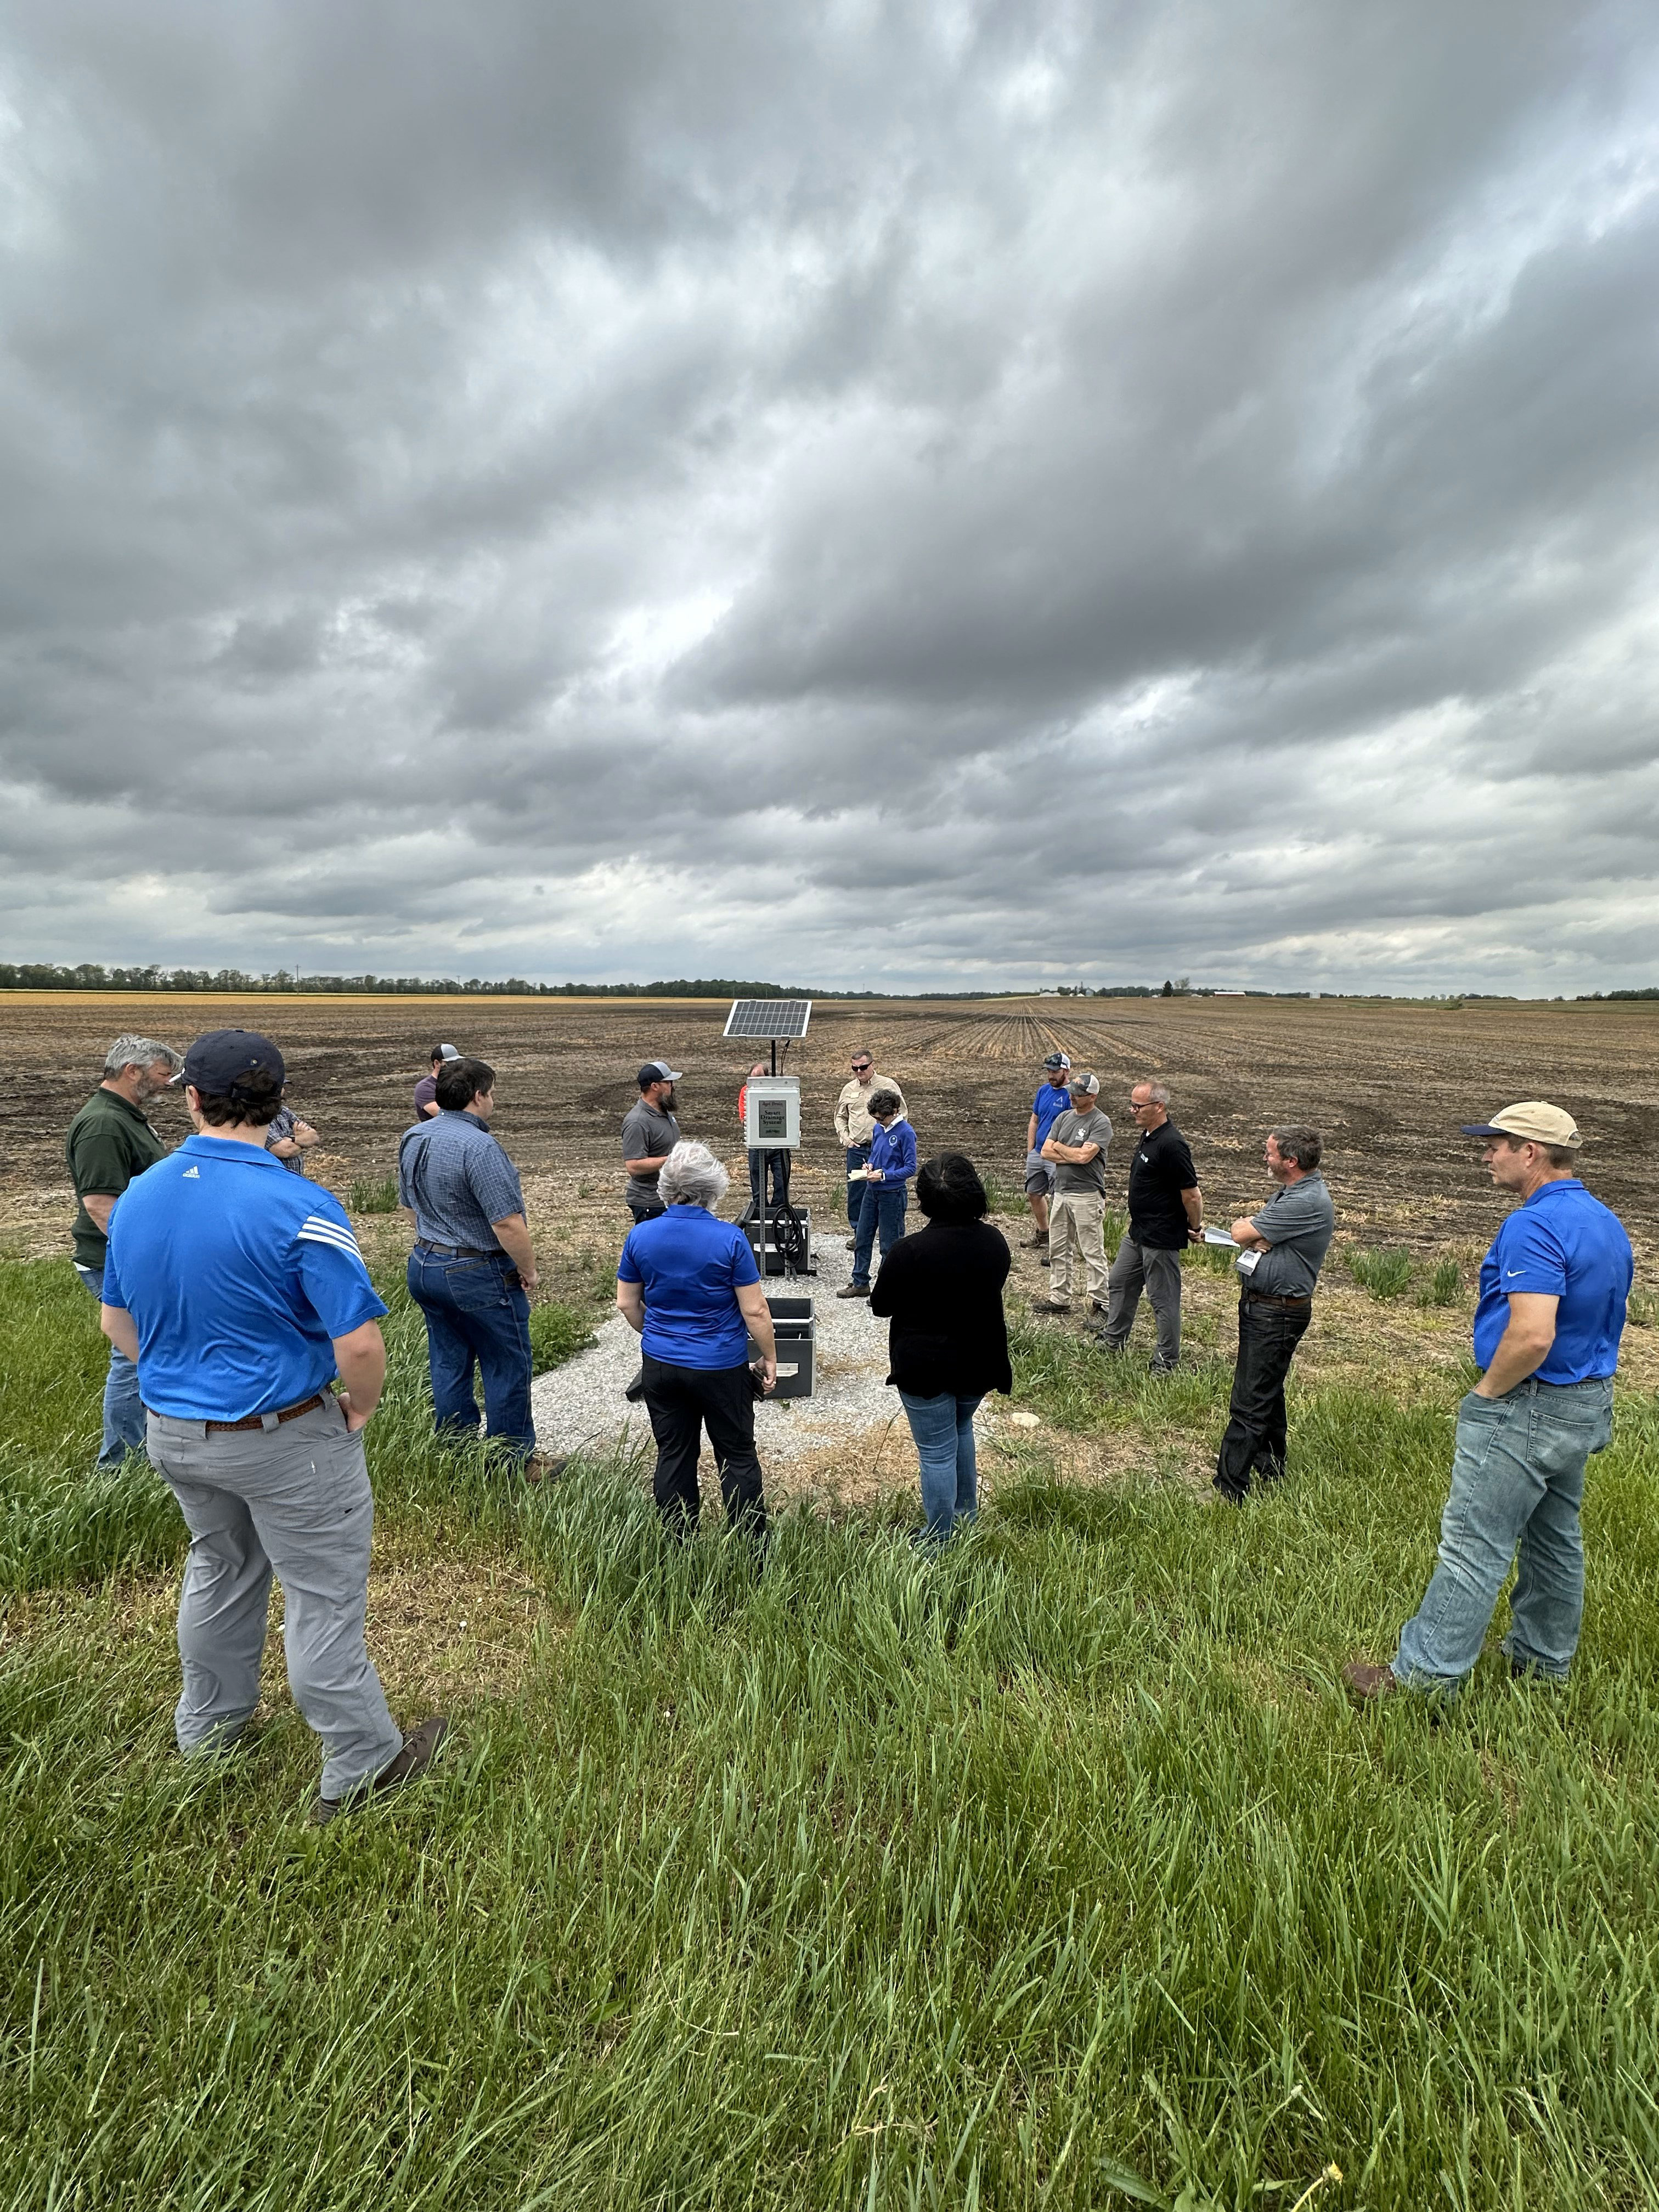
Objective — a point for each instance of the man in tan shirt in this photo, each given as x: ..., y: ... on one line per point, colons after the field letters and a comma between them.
x: 854, y: 1125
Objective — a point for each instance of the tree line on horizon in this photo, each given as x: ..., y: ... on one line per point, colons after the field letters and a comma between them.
x: 92, y: 975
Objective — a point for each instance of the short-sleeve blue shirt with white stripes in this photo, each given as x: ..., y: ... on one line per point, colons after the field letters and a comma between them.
x: 237, y: 1276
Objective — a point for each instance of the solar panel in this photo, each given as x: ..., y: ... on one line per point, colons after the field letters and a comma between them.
x: 772, y: 1019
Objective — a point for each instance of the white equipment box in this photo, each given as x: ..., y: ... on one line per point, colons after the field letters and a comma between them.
x: 771, y: 1114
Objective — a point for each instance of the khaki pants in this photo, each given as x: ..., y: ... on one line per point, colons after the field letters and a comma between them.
x: 1076, y: 1221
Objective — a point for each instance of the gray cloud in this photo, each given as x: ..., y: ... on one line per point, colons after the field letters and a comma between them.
x: 936, y: 493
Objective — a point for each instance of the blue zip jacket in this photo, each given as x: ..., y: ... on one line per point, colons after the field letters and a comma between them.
x: 894, y: 1150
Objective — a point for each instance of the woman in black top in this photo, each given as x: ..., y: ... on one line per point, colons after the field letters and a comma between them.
x: 948, y: 1344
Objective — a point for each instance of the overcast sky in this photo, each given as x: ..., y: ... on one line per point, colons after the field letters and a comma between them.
x: 867, y: 495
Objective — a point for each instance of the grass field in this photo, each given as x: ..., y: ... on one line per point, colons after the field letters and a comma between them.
x: 1054, y: 1873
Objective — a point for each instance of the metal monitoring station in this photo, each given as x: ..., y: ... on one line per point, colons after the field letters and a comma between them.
x: 782, y: 1237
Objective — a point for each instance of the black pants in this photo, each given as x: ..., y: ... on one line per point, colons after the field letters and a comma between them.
x: 683, y: 1400
x: 759, y: 1165
x: 645, y: 1213
x: 1253, y: 1440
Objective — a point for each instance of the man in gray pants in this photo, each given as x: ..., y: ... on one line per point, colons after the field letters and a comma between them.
x: 1166, y: 1213
x: 239, y: 1292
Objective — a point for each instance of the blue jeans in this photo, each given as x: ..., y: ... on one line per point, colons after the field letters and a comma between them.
x: 124, y: 1409
x: 944, y: 1430
x: 857, y: 1156
x: 882, y: 1210
x: 474, y: 1314
x: 1517, y: 1482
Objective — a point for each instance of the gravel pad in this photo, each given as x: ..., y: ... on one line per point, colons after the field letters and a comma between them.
x: 580, y: 1407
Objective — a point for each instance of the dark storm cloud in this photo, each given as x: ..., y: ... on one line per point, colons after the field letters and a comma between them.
x: 881, y: 494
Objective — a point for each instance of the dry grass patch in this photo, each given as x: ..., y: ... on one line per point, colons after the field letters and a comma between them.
x: 460, y: 1628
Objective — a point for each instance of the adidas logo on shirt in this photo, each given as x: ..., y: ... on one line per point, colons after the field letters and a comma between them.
x: 192, y: 1175
x: 318, y: 1229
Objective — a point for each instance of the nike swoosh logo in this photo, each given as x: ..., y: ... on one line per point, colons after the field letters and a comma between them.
x: 1515, y: 1271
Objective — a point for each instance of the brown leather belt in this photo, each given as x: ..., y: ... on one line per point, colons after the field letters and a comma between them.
x: 258, y: 1420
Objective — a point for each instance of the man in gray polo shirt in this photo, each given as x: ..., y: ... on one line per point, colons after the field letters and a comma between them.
x: 1076, y: 1146
x: 473, y: 1266
x: 1283, y: 1246
x: 650, y: 1134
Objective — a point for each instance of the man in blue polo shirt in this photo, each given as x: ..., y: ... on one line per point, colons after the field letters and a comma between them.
x: 239, y: 1292
x: 1547, y: 1325
x: 1052, y: 1099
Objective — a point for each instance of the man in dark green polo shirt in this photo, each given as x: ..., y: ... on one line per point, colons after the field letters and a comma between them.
x: 110, y: 1141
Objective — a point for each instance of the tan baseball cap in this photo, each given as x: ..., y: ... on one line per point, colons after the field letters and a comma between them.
x: 1534, y: 1120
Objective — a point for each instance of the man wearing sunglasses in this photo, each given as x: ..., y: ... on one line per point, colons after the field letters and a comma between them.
x: 854, y: 1126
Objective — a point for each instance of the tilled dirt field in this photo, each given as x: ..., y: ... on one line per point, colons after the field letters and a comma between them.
x: 1389, y: 1084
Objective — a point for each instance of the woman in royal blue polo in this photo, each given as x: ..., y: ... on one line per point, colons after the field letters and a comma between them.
x: 688, y: 1283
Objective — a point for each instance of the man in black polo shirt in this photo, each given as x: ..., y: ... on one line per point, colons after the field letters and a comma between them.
x: 1166, y: 1213
x: 109, y: 1142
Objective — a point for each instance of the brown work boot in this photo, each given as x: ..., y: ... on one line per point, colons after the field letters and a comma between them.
x: 854, y: 1290
x: 1051, y: 1305
x: 417, y: 1754
x: 541, y: 1467
x: 1367, y: 1682
x: 1036, y: 1239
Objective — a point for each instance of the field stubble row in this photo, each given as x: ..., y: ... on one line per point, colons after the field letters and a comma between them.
x: 1388, y: 1083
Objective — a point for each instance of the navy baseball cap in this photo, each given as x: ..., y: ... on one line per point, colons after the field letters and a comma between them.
x: 659, y: 1071
x: 1057, y: 1060
x: 223, y: 1057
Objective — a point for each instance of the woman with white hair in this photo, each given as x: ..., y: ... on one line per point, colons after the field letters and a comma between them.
x: 688, y: 1284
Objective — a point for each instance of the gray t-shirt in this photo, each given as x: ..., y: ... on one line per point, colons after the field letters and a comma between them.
x: 647, y: 1134
x: 1299, y: 1222
x: 1072, y: 1128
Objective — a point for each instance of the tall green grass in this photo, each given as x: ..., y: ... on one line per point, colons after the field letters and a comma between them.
x: 557, y: 1332
x: 373, y: 1194
x: 61, y: 1520
x: 1384, y: 1274
x: 1054, y: 1872
x: 1445, y: 1287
